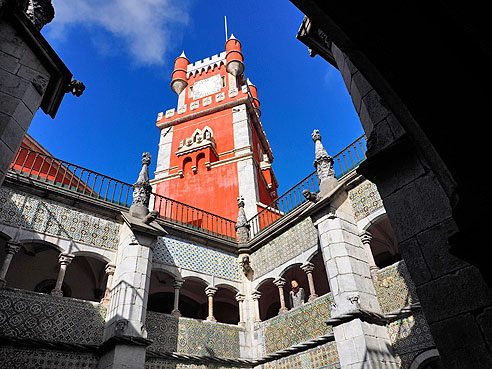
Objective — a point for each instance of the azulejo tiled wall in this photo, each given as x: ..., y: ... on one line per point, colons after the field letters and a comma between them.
x: 193, y: 256
x: 23, y: 358
x: 365, y: 199
x: 325, y: 356
x: 26, y: 314
x: 173, y: 334
x: 408, y: 336
x: 298, y: 325
x: 285, y: 247
x: 46, y: 216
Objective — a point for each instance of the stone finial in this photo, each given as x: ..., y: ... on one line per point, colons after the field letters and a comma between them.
x: 322, y: 162
x: 324, y: 167
x: 142, y: 190
x: 40, y: 12
x: 242, y: 225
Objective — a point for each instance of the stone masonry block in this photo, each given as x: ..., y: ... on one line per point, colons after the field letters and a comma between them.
x: 381, y: 136
x: 6, y: 155
x: 484, y: 320
x: 461, y: 344
x: 10, y: 132
x: 347, y: 283
x: 419, y: 205
x: 10, y: 42
x: 15, y: 108
x: 366, y: 120
x: 344, y: 265
x: 8, y: 62
x: 376, y: 111
x: 13, y: 85
x: 435, y: 249
x: 415, y: 262
x: 457, y: 293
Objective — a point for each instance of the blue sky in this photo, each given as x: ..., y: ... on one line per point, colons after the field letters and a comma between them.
x: 124, y: 50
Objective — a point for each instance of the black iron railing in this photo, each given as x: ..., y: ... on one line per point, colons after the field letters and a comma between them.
x: 344, y: 162
x: 88, y: 183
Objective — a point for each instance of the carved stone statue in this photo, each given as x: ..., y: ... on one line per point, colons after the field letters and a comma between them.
x: 296, y: 295
x: 40, y: 12
x: 142, y: 190
x: 245, y: 264
x: 242, y: 226
x: 324, y: 167
x: 75, y: 87
x: 322, y: 162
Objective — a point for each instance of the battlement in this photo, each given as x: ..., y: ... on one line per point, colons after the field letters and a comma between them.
x: 206, y: 64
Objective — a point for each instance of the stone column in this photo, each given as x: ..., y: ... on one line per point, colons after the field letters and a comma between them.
x: 240, y: 299
x: 256, y: 298
x: 64, y: 260
x: 366, y: 238
x: 177, y: 284
x: 110, y: 268
x: 359, y: 344
x: 308, y: 269
x: 210, y: 292
x: 280, y: 283
x: 11, y: 248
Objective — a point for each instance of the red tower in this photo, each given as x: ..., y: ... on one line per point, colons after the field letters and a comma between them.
x: 212, y: 147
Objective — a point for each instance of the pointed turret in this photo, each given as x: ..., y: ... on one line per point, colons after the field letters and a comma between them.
x: 234, y: 57
x: 179, y: 78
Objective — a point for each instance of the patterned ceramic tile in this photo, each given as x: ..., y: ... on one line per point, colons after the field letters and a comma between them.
x: 193, y: 256
x: 365, y: 199
x: 298, y: 325
x: 325, y: 356
x: 26, y: 314
x: 288, y: 245
x: 23, y: 358
x: 396, y: 290
x: 46, y: 216
x: 172, y: 334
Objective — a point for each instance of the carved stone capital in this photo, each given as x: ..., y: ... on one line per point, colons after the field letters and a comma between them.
x: 12, y: 247
x: 65, y: 259
x: 279, y: 282
x: 307, y: 267
x: 110, y: 269
x: 178, y: 283
x: 240, y: 297
x: 366, y: 237
x: 256, y: 295
x: 210, y: 291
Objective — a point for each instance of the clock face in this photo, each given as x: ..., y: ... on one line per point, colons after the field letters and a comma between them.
x: 207, y: 86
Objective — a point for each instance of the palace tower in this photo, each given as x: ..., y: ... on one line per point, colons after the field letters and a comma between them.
x: 212, y: 147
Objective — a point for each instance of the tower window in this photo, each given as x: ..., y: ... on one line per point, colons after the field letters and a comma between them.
x: 223, y: 81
